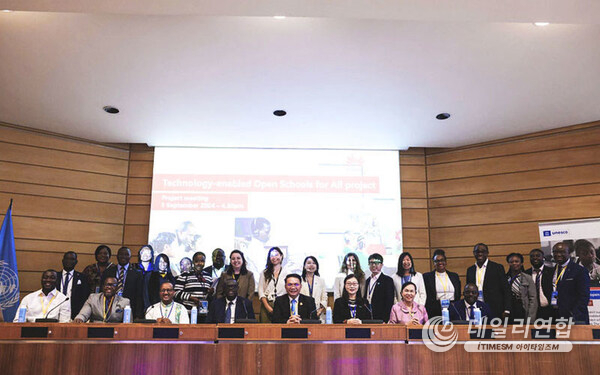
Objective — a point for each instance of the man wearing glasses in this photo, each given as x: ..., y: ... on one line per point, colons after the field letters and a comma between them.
x: 166, y: 311
x: 379, y: 290
x: 104, y: 307
x: 293, y: 307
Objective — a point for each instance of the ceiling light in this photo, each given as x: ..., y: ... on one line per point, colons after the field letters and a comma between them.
x: 279, y: 17
x: 442, y: 116
x: 7, y: 11
x: 541, y: 23
x: 110, y: 109
x: 280, y: 113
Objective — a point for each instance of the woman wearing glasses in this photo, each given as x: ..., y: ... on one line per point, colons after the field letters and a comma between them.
x: 350, y: 307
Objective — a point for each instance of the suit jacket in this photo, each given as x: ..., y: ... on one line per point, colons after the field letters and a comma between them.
x: 529, y: 297
x: 133, y: 288
x: 496, y: 291
x: 93, y: 309
x: 458, y: 310
x: 246, y: 285
x: 80, y: 291
x: 382, y: 299
x: 574, y: 293
x: 217, y: 308
x: 432, y: 304
x: 547, y: 288
x: 341, y: 311
x: 281, y: 308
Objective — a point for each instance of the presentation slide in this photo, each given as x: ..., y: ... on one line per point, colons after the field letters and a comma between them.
x: 324, y: 203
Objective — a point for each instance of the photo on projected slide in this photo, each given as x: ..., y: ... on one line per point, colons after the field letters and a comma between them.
x: 324, y: 203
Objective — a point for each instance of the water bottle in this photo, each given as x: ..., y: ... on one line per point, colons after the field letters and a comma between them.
x: 194, y: 316
x: 477, y: 314
x: 22, y: 314
x: 328, y: 319
x: 127, y: 314
x: 445, y: 316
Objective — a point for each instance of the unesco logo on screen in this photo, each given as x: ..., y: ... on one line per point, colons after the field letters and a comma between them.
x: 547, y: 233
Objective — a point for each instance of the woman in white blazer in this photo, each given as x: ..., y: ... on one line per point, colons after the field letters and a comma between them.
x: 405, y: 273
x: 314, y: 286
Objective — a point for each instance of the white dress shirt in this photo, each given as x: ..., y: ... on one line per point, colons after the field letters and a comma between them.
x: 40, y: 305
x: 70, y: 285
x: 175, y: 312
x: 534, y: 273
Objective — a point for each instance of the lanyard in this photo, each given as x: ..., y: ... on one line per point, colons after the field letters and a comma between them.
x: 444, y: 281
x: 105, y: 311
x: 45, y: 308
x: 169, y: 314
x: 480, y: 277
x: 372, y: 284
x: 311, y: 286
x: 559, y: 276
x: 352, y: 310
x: 512, y: 279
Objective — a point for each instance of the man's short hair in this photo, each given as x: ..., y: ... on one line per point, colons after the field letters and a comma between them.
x: 376, y: 256
x: 536, y: 251
x: 70, y: 252
x: 197, y: 253
x: 293, y: 275
x: 481, y: 244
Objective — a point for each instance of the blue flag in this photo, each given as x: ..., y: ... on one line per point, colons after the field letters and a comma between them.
x: 9, y: 276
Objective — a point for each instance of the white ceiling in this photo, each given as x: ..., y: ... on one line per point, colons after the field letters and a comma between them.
x: 351, y: 74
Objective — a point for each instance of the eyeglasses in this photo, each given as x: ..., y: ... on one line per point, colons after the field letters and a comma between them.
x: 352, y: 284
x: 296, y: 285
x: 167, y: 290
x: 112, y: 285
x: 375, y: 262
x: 439, y: 261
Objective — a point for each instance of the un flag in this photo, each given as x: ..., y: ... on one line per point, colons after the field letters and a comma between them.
x: 9, y: 277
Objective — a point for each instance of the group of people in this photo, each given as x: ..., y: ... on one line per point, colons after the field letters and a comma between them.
x: 224, y: 293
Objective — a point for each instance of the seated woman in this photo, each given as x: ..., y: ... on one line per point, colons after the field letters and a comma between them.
x: 145, y: 259
x: 523, y: 291
x: 407, y: 311
x: 237, y: 270
x: 350, y: 308
x: 153, y: 280
x: 350, y: 265
x: 405, y: 273
x: 95, y: 272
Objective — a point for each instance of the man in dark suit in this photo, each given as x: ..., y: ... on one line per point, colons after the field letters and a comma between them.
x: 230, y: 308
x: 491, y: 282
x: 72, y: 283
x: 572, y: 285
x: 293, y: 307
x: 379, y: 289
x: 130, y: 282
x: 464, y: 308
x: 217, y: 268
x: 542, y: 275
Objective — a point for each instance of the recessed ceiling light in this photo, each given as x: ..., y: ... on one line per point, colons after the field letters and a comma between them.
x: 7, y: 11
x: 279, y: 113
x: 279, y: 17
x: 110, y: 109
x: 442, y: 116
x: 541, y: 23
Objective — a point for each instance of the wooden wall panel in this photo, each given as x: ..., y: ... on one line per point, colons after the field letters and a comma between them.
x: 67, y: 194
x: 497, y: 193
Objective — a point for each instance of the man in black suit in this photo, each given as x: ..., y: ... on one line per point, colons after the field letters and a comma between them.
x: 491, y: 281
x: 217, y: 268
x: 464, y: 309
x: 379, y: 289
x: 293, y: 307
x: 542, y: 275
x: 72, y: 283
x: 572, y: 286
x: 230, y: 308
x: 130, y: 282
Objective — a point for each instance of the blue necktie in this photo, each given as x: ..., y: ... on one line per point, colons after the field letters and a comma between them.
x: 228, y: 313
x: 294, y: 307
x: 471, y: 313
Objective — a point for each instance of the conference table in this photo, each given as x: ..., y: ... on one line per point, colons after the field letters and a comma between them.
x: 54, y: 348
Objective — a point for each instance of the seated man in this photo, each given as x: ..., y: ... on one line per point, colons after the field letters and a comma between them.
x: 292, y: 307
x: 463, y: 309
x: 231, y: 307
x: 104, y: 307
x: 47, y: 302
x: 166, y: 311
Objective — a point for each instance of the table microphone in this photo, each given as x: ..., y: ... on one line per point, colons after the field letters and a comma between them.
x: 53, y: 320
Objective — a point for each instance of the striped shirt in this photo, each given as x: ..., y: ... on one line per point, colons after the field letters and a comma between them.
x: 189, y: 285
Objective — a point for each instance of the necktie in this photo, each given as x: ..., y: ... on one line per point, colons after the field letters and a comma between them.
x: 538, y: 277
x: 228, y: 313
x: 120, y: 279
x: 471, y: 314
x: 66, y: 283
x: 294, y: 307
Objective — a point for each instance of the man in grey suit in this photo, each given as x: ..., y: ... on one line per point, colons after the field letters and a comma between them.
x: 104, y: 307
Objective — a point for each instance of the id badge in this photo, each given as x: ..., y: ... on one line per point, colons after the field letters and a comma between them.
x: 203, y: 308
x: 120, y: 293
x: 445, y: 303
x: 480, y: 297
x: 554, y: 301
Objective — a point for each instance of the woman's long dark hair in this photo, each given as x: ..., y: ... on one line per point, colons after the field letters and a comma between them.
x: 270, y: 266
x: 304, y: 266
x: 166, y: 259
x: 360, y: 275
x: 345, y: 296
x: 243, y: 269
x: 151, y: 253
x: 400, y: 270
